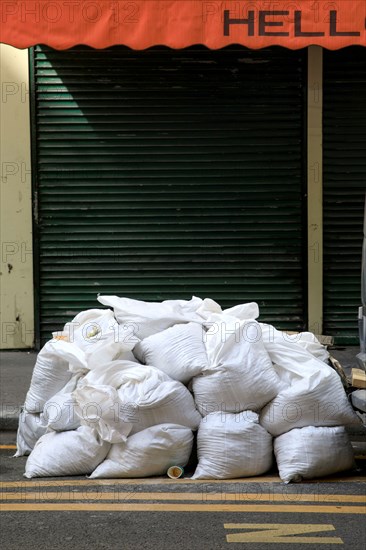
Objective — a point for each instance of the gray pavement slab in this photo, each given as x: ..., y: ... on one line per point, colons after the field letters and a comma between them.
x: 16, y: 369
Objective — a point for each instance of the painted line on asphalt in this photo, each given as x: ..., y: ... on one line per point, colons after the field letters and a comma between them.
x: 287, y: 498
x: 158, y: 507
x: 284, y: 533
x: 8, y: 447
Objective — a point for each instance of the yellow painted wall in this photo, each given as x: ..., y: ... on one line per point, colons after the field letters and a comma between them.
x: 315, y: 189
x: 16, y: 279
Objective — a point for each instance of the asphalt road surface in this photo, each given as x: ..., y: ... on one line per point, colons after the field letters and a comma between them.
x: 161, y: 514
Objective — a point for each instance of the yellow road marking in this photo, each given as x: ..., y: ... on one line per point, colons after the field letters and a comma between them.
x: 8, y: 446
x: 203, y: 496
x: 281, y: 533
x: 158, y: 507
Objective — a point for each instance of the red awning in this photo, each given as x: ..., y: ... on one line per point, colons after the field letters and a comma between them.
x: 140, y: 24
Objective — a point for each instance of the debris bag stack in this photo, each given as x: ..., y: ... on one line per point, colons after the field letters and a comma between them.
x: 119, y: 393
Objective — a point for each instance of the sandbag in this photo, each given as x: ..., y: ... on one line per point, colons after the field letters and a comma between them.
x: 99, y: 407
x: 147, y: 395
x: 292, y: 361
x: 240, y: 375
x: 167, y: 402
x: 207, y: 308
x: 244, y: 312
x: 118, y: 372
x: 127, y: 356
x: 52, y: 371
x: 59, y: 410
x: 147, y: 318
x: 309, y: 341
x: 312, y: 393
x: 316, y: 400
x: 97, y: 333
x: 305, y: 453
x: 240, y: 311
x: 88, y: 326
x: 231, y: 446
x: 305, y: 340
x: 147, y: 453
x: 30, y: 428
x: 179, y: 351
x: 70, y: 453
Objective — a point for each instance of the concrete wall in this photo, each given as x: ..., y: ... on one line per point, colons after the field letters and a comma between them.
x: 16, y: 279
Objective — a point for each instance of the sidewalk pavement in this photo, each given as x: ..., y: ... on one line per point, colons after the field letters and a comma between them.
x: 16, y: 371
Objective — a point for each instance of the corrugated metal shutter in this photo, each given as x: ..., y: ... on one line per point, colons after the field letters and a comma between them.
x: 163, y: 174
x: 344, y: 188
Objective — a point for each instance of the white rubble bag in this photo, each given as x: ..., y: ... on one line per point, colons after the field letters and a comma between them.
x: 315, y: 400
x: 156, y: 400
x: 71, y: 453
x: 309, y: 341
x: 114, y: 373
x: 292, y: 360
x: 146, y: 395
x: 59, y: 410
x: 99, y: 407
x: 52, y: 371
x: 231, y: 446
x: 97, y: 333
x: 127, y: 356
x: 243, y: 312
x: 30, y: 428
x: 306, y: 340
x: 179, y: 351
x: 148, y: 453
x: 305, y: 453
x: 207, y: 308
x: 240, y: 375
x: 90, y: 326
x: 147, y: 318
x: 312, y: 393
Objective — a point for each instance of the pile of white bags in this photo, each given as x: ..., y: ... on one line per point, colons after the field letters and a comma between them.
x: 119, y: 394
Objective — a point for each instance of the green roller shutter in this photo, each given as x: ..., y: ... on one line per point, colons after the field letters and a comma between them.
x: 344, y: 188
x: 162, y: 174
